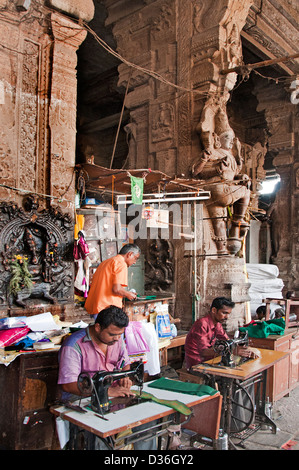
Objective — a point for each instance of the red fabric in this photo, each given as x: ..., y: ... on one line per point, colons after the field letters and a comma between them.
x: 202, y: 335
x: 81, y: 249
x: 12, y: 335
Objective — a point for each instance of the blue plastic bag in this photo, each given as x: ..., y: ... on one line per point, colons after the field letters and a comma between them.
x: 163, y: 326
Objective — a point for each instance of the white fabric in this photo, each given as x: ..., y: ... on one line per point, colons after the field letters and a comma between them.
x: 264, y: 284
x: 152, y: 367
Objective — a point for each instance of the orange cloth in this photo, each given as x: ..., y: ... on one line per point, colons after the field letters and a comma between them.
x: 111, y: 271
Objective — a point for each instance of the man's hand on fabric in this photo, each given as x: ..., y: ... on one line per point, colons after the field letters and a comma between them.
x: 248, y: 351
x: 120, y: 391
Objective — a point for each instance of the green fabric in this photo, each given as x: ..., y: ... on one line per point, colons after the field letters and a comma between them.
x: 265, y: 328
x: 183, y: 387
x: 175, y: 404
x: 137, y: 189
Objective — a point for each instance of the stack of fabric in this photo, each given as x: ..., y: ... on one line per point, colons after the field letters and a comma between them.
x: 265, y: 283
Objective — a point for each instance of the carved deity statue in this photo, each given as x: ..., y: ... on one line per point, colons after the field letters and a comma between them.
x: 220, y: 166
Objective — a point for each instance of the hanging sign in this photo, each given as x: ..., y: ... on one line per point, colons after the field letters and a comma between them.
x: 137, y: 189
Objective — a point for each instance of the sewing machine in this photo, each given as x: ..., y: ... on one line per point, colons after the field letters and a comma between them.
x: 99, y: 383
x: 224, y: 348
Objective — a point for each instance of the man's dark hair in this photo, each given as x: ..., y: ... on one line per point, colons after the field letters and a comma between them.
x: 130, y: 247
x: 261, y: 309
x: 220, y: 302
x: 112, y: 315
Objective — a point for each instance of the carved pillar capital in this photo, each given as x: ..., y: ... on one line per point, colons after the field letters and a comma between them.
x: 67, y: 31
x: 83, y: 9
x: 216, y: 42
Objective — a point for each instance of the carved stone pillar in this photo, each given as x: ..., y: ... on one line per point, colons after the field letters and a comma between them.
x: 27, y: 79
x: 38, y: 89
x: 24, y: 82
x: 62, y: 112
x: 187, y: 43
x: 226, y: 278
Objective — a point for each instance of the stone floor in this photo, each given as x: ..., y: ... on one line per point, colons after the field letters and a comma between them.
x: 285, y: 414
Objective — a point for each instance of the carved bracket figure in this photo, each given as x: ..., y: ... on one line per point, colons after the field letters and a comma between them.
x: 160, y: 273
x: 220, y: 167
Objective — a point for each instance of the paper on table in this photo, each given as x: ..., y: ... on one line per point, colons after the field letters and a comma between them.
x: 42, y: 322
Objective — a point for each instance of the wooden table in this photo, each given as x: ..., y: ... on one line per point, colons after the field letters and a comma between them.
x: 177, y: 342
x: 251, y: 372
x: 205, y: 419
x: 244, y: 371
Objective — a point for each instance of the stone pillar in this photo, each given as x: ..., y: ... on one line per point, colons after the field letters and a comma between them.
x: 62, y: 112
x: 32, y: 69
x: 38, y: 90
x: 24, y: 82
x: 280, y: 114
x: 227, y: 278
x: 187, y: 43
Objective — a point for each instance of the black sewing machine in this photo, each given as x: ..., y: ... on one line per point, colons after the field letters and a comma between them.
x: 224, y: 348
x: 99, y: 383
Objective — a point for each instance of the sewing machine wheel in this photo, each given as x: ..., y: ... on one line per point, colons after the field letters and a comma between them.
x: 242, y: 410
x: 221, y: 347
x: 84, y: 383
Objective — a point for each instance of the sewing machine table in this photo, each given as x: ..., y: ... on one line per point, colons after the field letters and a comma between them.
x: 252, y: 372
x: 205, y: 421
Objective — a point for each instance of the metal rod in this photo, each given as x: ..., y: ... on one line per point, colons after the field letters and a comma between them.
x: 156, y: 200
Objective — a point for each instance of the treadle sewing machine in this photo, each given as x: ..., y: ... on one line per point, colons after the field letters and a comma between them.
x: 237, y: 377
x: 225, y: 348
x: 99, y: 383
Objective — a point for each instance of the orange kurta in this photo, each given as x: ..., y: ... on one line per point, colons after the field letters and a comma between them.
x: 111, y: 271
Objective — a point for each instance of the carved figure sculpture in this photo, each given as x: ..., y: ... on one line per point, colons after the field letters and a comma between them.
x: 160, y: 276
x: 220, y: 166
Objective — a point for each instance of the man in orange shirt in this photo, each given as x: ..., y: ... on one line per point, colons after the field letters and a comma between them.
x: 110, y: 280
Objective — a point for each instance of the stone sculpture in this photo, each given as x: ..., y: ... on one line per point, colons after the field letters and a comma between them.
x: 220, y: 167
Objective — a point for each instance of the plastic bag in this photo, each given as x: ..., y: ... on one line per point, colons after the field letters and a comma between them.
x: 12, y: 322
x: 135, y: 342
x: 163, y: 322
x: 11, y: 336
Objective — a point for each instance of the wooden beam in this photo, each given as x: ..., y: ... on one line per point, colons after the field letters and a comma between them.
x: 264, y: 63
x: 102, y: 124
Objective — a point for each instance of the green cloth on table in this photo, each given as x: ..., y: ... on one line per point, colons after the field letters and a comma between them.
x: 175, y: 404
x: 182, y: 387
x: 265, y: 328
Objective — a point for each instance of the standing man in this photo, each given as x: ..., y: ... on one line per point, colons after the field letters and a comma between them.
x: 205, y: 331
x: 110, y: 280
